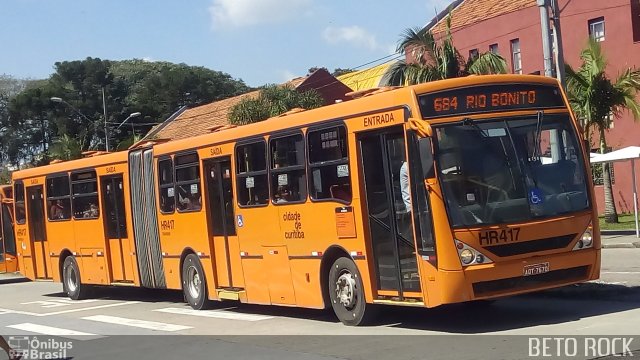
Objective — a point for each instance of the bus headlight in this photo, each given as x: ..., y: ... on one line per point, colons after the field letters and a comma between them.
x: 466, y: 256
x: 470, y: 256
x: 587, y: 238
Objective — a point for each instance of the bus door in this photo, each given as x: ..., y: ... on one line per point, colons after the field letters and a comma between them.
x: 37, y: 232
x: 383, y: 159
x: 115, y: 225
x: 8, y: 260
x: 221, y: 219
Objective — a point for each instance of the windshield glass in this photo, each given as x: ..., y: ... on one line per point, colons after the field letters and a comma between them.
x: 510, y: 170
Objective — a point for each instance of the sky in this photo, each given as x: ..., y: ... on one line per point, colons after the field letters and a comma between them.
x: 258, y: 41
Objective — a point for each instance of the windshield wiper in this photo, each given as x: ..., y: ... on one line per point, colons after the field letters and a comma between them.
x: 469, y: 122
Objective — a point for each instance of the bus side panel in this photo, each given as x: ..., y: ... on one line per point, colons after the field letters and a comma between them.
x: 61, y: 236
x: 309, y: 230
x: 90, y: 234
x: 259, y: 228
x: 177, y: 232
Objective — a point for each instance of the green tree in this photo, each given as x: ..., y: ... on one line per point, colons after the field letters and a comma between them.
x: 273, y: 100
x: 429, y: 59
x: 30, y: 122
x: 594, y: 97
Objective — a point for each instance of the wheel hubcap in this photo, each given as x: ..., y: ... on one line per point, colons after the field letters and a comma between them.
x: 345, y: 290
x: 194, y: 282
x: 72, y: 283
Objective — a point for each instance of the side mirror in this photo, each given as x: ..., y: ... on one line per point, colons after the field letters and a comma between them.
x: 421, y: 127
x: 426, y: 157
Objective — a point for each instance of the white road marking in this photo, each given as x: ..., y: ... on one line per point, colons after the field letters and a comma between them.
x: 91, y: 308
x: 215, y: 314
x: 51, y: 331
x: 619, y: 272
x: 152, y: 325
x: 66, y: 311
x: 57, y: 303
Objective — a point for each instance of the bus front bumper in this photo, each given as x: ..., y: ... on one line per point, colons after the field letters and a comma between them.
x: 505, y: 278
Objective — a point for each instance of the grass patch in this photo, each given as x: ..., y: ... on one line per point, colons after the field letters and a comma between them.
x: 625, y: 222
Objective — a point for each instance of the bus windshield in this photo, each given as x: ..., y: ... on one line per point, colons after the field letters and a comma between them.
x: 510, y: 169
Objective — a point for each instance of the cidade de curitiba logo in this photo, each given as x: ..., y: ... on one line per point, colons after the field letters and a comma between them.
x: 30, y: 347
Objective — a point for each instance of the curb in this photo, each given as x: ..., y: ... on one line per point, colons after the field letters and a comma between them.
x: 634, y: 245
x: 13, y: 280
x: 621, y: 246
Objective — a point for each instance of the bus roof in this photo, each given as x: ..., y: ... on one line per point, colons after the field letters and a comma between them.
x: 88, y: 162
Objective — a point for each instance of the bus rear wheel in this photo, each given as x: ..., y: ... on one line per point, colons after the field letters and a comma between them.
x: 347, y: 294
x: 194, y: 285
x: 72, y: 284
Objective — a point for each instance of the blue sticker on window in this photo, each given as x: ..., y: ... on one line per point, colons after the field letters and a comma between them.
x: 535, y: 196
x: 240, y: 221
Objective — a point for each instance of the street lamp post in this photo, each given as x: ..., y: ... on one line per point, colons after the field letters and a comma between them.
x: 132, y: 115
x: 106, y: 129
x: 61, y: 100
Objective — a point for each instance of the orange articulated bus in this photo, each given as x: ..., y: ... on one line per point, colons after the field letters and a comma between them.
x: 438, y: 193
x: 8, y: 259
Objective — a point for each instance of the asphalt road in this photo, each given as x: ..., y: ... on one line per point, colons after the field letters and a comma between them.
x: 102, y: 327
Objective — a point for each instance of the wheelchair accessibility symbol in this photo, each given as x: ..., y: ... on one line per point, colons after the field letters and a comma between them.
x: 535, y: 196
x: 240, y: 221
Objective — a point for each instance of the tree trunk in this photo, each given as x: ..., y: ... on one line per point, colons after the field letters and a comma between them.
x: 610, y: 213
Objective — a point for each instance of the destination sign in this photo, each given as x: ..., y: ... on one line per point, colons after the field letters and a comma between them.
x: 490, y: 98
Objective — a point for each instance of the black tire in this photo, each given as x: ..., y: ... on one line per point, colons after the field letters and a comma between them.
x: 194, y: 284
x: 71, y: 281
x: 350, y: 307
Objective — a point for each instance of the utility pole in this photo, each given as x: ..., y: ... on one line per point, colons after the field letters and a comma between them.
x: 546, y: 36
x: 106, y: 124
x: 557, y: 33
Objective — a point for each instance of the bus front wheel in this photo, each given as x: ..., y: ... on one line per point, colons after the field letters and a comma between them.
x: 71, y: 277
x: 347, y: 294
x: 194, y: 285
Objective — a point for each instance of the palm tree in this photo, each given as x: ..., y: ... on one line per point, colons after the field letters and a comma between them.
x: 430, y: 60
x: 273, y: 100
x: 65, y: 148
x: 594, y: 98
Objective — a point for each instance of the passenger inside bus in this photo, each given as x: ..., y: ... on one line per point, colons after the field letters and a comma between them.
x: 91, y: 212
x: 58, y: 211
x: 188, y: 201
x: 282, y: 195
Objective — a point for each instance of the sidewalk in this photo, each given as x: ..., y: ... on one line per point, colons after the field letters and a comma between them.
x: 612, y: 239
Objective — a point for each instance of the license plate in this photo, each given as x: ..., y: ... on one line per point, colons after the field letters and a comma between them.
x: 536, y: 269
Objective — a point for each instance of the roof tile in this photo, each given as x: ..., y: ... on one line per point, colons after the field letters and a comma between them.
x: 470, y: 12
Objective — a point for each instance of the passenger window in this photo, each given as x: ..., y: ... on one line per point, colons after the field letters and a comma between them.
x: 329, y: 164
x: 84, y: 189
x: 288, y: 176
x: 167, y: 186
x: 189, y: 193
x: 58, y: 198
x: 253, y: 188
x: 18, y: 192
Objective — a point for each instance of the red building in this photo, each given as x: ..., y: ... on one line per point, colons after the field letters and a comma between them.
x: 512, y: 28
